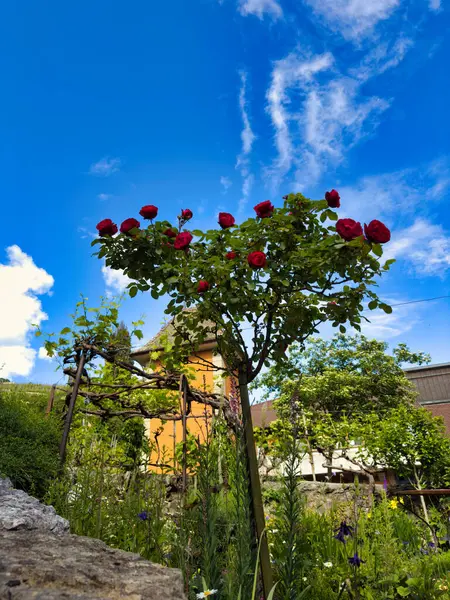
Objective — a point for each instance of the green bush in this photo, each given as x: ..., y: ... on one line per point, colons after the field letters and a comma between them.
x: 28, y: 440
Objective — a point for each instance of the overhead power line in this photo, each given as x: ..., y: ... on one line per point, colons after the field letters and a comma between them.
x: 417, y: 301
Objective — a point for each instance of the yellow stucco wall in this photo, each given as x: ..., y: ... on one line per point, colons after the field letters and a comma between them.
x: 170, y: 433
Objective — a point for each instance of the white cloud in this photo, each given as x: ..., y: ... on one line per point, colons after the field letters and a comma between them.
x: 42, y: 354
x: 260, y: 7
x: 104, y: 196
x: 383, y: 326
x: 247, y: 138
x: 318, y: 114
x: 353, y: 19
x: 16, y: 360
x: 384, y: 56
x: 435, y: 5
x: 407, y: 190
x: 424, y: 245
x: 116, y: 281
x: 105, y: 167
x: 226, y: 183
x: 21, y: 282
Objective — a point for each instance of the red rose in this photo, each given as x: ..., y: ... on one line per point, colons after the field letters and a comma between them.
x: 230, y: 255
x: 129, y: 224
x: 257, y: 259
x: 264, y: 209
x: 149, y: 211
x: 333, y: 199
x: 348, y: 229
x: 226, y: 220
x: 106, y: 227
x: 186, y: 214
x: 203, y: 286
x: 182, y: 240
x: 170, y: 233
x: 377, y: 232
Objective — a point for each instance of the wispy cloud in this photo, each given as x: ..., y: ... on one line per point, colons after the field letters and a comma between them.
x: 116, y: 281
x: 247, y: 138
x: 317, y: 113
x: 406, y: 191
x: 384, y: 326
x: 226, y: 183
x: 435, y: 5
x: 21, y: 284
x: 105, y: 167
x: 260, y: 8
x: 85, y: 233
x: 104, y: 197
x: 385, y: 55
x: 353, y: 19
x: 424, y: 245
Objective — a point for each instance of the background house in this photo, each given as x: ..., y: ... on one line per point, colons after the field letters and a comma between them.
x: 433, y: 384
x: 164, y: 437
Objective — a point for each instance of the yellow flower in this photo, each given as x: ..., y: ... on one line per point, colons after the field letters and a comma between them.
x: 369, y: 515
x: 393, y: 503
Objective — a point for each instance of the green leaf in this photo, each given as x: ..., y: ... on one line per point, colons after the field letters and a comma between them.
x: 272, y: 592
x: 97, y: 241
x: 138, y: 333
x: 377, y: 249
x: 402, y: 591
x: 332, y: 215
x: 373, y: 304
x: 342, y: 328
x: 133, y: 291
x: 155, y: 295
x: 65, y: 331
x: 38, y: 333
x: 102, y: 252
x: 387, y: 309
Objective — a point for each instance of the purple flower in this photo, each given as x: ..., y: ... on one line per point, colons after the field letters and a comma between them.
x: 143, y: 516
x: 424, y: 551
x: 343, y: 531
x: 355, y: 560
x: 431, y: 545
x: 385, y: 484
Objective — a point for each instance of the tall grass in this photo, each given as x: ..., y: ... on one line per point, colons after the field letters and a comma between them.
x: 207, y: 532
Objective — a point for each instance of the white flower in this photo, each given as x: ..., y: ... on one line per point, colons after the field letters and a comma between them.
x: 206, y: 594
x: 328, y: 564
x: 305, y: 579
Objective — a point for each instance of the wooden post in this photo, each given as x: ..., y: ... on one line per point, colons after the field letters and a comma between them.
x: 69, y: 415
x: 51, y: 399
x: 183, y: 389
x: 255, y: 483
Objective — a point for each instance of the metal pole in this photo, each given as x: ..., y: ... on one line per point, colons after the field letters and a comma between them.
x: 255, y: 483
x: 69, y: 415
x: 51, y: 399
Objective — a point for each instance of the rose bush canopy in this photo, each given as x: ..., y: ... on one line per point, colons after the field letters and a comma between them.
x: 281, y: 273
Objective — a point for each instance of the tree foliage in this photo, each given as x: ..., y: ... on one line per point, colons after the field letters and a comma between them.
x: 352, y: 394
x: 308, y: 275
x: 343, y: 376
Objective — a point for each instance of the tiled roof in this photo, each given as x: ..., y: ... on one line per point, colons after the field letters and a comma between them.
x: 168, y: 331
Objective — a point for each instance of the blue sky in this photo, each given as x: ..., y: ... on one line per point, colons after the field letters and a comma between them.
x: 217, y: 105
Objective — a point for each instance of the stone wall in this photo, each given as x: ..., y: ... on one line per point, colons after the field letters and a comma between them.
x: 41, y: 560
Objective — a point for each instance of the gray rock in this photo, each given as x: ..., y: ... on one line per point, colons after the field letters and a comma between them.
x: 40, y: 560
x: 46, y: 566
x: 18, y: 510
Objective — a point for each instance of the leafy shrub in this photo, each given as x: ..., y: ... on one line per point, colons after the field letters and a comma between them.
x: 28, y: 440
